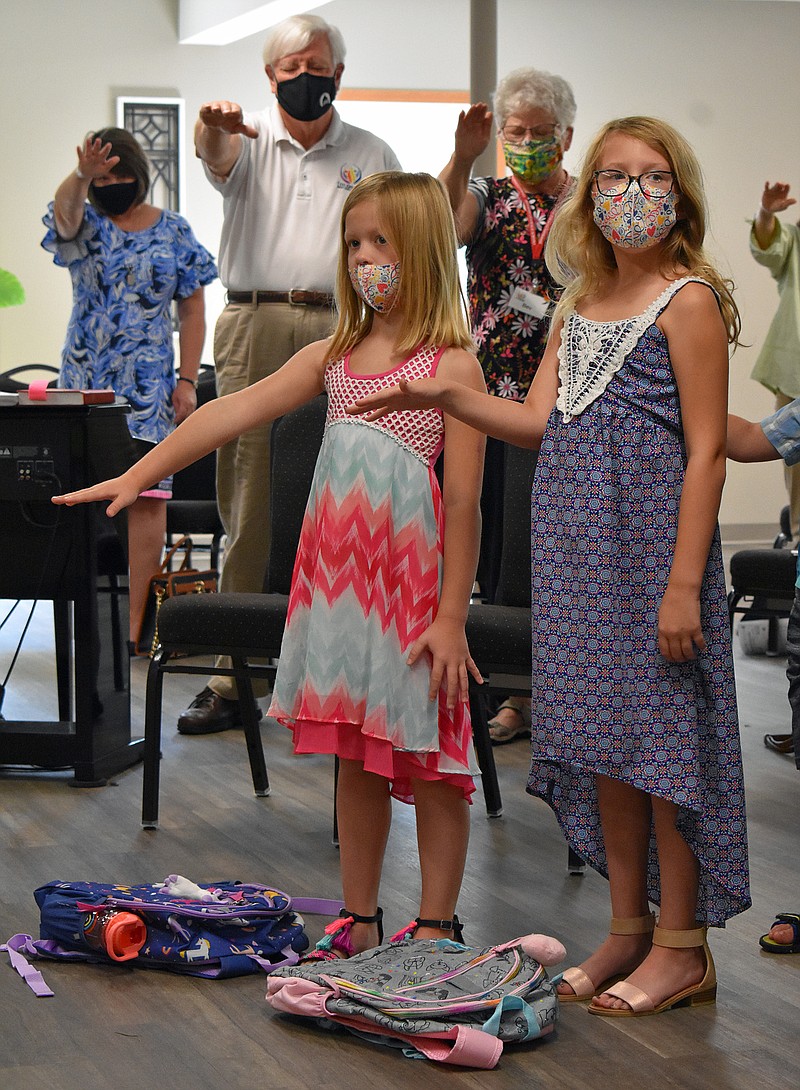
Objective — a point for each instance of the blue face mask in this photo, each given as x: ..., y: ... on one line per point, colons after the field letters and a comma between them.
x: 306, y: 97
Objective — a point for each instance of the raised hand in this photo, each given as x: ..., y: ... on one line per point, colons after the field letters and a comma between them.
x: 423, y: 393
x: 227, y: 116
x: 117, y: 489
x: 775, y: 198
x: 473, y: 131
x: 94, y: 158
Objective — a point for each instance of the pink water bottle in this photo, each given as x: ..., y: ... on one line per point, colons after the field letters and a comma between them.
x: 119, y: 934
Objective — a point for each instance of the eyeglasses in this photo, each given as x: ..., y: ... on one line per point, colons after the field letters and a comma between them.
x: 653, y: 183
x: 515, y: 134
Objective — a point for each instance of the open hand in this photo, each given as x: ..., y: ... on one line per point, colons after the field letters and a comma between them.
x: 423, y: 393
x: 95, y: 159
x: 117, y: 489
x: 227, y: 116
x: 473, y: 131
x: 451, y: 662
x: 775, y: 197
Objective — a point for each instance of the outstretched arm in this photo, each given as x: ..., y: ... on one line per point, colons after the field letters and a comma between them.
x: 473, y: 132
x: 217, y: 135
x: 213, y: 425
x: 445, y: 640
x: 747, y: 441
x: 520, y: 424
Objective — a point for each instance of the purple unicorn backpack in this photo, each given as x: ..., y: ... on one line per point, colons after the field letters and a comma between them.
x: 219, y: 930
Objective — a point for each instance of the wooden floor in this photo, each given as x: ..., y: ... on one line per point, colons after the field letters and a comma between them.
x: 134, y: 1030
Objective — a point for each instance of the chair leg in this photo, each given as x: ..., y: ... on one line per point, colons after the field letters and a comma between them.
x: 575, y: 865
x: 335, y: 837
x: 484, y: 751
x: 152, y: 741
x: 252, y: 731
x: 115, y: 590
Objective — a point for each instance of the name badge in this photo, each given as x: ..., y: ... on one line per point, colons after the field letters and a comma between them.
x: 529, y: 303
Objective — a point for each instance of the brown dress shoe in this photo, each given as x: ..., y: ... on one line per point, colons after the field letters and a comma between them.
x: 209, y: 713
x: 779, y: 743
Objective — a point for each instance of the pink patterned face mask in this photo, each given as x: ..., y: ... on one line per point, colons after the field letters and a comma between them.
x: 631, y: 220
x: 377, y: 285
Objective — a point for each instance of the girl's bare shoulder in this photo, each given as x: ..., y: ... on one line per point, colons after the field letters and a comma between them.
x: 461, y: 366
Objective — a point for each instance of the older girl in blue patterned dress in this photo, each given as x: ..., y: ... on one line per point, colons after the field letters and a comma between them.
x: 636, y: 743
x: 128, y: 261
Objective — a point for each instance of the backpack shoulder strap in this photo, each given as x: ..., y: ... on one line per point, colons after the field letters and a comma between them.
x: 32, y: 977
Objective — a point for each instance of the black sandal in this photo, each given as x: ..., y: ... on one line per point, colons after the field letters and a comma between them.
x: 336, y: 943
x: 410, y: 930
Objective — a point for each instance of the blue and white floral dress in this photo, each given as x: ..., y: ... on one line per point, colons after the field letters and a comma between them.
x: 120, y: 331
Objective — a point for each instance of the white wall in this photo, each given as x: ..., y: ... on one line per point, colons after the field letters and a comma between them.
x: 724, y: 73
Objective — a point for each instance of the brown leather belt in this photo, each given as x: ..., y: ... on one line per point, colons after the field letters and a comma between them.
x: 295, y: 297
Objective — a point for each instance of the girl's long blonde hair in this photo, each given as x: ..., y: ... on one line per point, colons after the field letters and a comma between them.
x: 416, y: 219
x: 581, y: 258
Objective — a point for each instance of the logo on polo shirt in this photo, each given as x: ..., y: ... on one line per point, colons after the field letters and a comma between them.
x: 349, y: 174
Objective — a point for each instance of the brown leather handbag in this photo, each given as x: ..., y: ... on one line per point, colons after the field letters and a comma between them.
x: 166, y: 584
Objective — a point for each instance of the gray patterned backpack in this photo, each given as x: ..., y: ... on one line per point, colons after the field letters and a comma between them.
x: 433, y: 998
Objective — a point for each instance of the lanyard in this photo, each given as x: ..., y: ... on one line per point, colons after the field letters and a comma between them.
x: 537, y: 240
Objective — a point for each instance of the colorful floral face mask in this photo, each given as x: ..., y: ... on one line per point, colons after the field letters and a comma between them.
x: 377, y: 285
x: 534, y: 160
x: 631, y: 220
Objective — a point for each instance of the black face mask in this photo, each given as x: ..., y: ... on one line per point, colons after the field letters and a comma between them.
x: 306, y: 97
x: 115, y: 199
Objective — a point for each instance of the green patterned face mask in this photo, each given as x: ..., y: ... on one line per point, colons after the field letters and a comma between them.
x: 534, y: 160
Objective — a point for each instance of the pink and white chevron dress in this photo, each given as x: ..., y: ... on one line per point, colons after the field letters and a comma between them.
x: 366, y: 584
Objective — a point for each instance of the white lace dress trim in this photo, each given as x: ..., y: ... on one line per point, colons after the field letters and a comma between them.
x: 591, y: 352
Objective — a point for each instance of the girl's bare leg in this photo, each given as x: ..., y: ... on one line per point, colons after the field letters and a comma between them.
x: 364, y: 814
x: 664, y: 971
x: 442, y: 839
x: 147, y: 531
x: 625, y: 817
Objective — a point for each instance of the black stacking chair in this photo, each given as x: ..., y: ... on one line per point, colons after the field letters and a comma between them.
x: 241, y: 626
x: 245, y: 626
x: 19, y: 378
x: 193, y: 507
x: 763, y: 582
x: 499, y: 634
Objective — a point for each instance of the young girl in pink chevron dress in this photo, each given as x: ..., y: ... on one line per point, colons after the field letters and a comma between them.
x: 374, y: 665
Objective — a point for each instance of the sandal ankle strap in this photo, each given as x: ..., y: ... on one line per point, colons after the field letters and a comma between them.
x: 453, y: 925
x: 633, y: 925
x: 354, y: 916
x: 679, y: 940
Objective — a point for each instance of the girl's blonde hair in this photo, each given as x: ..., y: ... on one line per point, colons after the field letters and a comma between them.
x: 415, y: 217
x: 580, y: 257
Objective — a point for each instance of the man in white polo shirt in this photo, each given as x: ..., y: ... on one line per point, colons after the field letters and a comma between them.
x: 284, y: 174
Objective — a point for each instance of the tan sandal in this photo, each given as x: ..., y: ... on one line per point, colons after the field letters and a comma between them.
x: 581, y: 983
x: 640, y: 1004
x: 501, y: 733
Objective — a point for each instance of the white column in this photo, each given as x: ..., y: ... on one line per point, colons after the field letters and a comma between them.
x: 483, y: 70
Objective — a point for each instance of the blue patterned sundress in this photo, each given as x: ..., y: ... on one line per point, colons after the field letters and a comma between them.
x: 120, y: 331
x: 604, y: 519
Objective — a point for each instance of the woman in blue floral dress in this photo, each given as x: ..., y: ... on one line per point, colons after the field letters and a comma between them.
x: 129, y: 261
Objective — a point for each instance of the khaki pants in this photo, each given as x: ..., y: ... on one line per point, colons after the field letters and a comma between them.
x: 251, y: 342
x: 791, y: 475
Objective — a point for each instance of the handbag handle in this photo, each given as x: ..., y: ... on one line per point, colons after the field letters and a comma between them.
x: 183, y: 542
